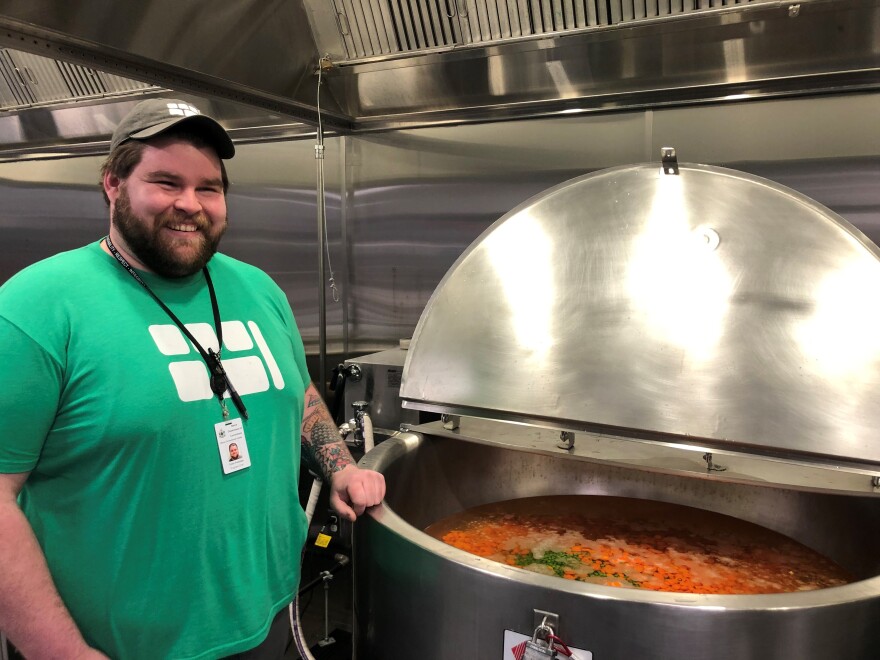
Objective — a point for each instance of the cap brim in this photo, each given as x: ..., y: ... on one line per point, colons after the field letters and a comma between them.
x: 213, y: 132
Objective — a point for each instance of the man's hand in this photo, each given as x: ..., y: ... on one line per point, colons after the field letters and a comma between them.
x: 352, y: 490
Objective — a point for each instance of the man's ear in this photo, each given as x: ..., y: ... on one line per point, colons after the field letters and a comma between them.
x: 112, y: 184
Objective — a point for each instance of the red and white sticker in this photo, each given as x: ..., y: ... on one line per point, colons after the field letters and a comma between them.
x: 515, y: 645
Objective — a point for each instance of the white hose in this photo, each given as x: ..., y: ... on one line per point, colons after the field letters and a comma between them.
x: 295, y: 623
x: 368, y: 434
x: 313, y: 500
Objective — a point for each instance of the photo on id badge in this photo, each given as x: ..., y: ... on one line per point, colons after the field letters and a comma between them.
x: 232, y: 445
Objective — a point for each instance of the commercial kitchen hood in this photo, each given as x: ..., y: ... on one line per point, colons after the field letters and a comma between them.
x: 400, y: 63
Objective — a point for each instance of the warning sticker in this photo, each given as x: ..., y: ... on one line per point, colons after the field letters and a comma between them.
x: 515, y: 646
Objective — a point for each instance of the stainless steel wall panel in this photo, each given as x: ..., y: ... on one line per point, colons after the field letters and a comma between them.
x: 412, y: 201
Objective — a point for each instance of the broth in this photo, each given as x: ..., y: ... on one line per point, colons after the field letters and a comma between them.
x: 640, y: 544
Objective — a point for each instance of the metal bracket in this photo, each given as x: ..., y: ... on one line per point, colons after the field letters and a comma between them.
x: 355, y: 373
x: 548, y: 618
x: 325, y: 64
x: 450, y: 422
x: 712, y: 467
x: 566, y: 440
x: 668, y: 160
x: 875, y: 482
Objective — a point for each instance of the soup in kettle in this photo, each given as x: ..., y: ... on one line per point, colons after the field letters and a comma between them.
x: 639, y: 544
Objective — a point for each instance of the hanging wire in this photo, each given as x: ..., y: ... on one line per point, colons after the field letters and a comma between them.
x: 319, y: 154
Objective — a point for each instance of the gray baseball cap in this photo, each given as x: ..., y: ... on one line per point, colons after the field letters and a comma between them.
x: 155, y: 116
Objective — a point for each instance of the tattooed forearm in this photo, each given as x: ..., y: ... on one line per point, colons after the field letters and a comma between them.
x: 320, y: 439
x: 327, y: 448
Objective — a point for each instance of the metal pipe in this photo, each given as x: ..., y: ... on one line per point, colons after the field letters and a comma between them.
x: 322, y: 294
x: 322, y: 233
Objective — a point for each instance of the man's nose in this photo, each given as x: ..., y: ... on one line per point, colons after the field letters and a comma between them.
x: 188, y: 201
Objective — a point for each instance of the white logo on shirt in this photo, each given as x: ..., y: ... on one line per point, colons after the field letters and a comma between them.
x: 191, y: 377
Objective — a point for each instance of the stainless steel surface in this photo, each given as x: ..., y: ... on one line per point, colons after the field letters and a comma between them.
x: 403, y: 206
x: 379, y: 386
x: 728, y: 53
x: 28, y: 81
x: 404, y: 578
x: 59, y: 130
x: 426, y: 62
x: 683, y: 460
x: 250, y: 51
x: 709, y: 307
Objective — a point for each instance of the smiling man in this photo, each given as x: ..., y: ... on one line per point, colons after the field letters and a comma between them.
x: 129, y: 369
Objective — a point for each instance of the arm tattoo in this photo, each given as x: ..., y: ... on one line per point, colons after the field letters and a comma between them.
x: 321, y: 440
x: 328, y: 449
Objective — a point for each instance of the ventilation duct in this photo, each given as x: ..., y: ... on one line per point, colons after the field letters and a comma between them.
x: 371, y: 28
x: 28, y: 80
x: 391, y: 64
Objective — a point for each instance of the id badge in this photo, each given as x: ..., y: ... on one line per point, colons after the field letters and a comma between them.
x: 232, y: 445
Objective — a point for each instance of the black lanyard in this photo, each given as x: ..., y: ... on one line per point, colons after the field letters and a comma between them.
x: 219, y: 380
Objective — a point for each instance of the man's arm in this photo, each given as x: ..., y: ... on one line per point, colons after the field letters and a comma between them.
x: 32, y: 614
x: 351, y: 490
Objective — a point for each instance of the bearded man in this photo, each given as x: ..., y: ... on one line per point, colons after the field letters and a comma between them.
x: 143, y: 356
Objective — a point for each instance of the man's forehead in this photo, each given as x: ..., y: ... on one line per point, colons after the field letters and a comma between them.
x: 175, y: 174
x: 180, y: 158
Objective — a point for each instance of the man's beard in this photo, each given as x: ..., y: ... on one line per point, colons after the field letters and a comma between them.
x: 156, y: 250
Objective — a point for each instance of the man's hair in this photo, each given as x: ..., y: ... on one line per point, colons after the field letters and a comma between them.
x: 127, y: 155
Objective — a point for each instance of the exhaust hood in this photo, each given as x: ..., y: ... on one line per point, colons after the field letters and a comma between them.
x: 370, y: 28
x: 390, y: 64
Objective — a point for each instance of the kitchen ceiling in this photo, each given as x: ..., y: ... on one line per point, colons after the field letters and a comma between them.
x: 387, y: 64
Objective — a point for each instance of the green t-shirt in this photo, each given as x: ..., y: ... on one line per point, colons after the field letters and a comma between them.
x: 155, y: 551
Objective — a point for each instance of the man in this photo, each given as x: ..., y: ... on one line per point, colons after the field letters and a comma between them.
x: 126, y: 368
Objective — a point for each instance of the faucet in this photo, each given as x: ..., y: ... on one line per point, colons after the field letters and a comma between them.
x: 363, y: 425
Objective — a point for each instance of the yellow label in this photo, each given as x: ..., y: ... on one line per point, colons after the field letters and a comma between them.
x: 322, y: 541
